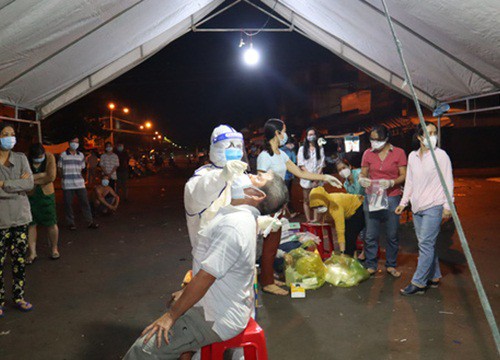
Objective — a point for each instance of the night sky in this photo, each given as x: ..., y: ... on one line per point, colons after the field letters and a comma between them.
x: 200, y: 80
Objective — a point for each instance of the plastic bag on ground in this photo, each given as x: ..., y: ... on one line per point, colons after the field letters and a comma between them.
x: 304, y: 267
x: 344, y: 271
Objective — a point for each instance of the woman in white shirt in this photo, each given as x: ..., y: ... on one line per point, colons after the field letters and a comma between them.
x: 272, y: 159
x: 310, y: 158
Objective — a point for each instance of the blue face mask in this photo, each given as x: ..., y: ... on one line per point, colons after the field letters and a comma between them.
x: 39, y: 160
x: 105, y: 182
x: 233, y: 154
x: 8, y: 142
x: 74, y: 145
x: 284, y: 140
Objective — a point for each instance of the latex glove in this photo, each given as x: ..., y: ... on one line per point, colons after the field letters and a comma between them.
x: 364, y: 182
x: 233, y: 168
x: 321, y: 141
x: 267, y: 224
x: 386, y: 184
x: 333, y: 181
x: 321, y: 209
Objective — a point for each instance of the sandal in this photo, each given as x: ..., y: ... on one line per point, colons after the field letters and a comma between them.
x: 393, y: 272
x: 371, y: 271
x: 55, y: 256
x: 23, y: 305
x: 279, y: 283
x: 30, y: 260
x: 275, y: 290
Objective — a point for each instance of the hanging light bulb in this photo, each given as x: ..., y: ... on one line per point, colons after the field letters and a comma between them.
x: 242, y: 43
x: 251, y: 56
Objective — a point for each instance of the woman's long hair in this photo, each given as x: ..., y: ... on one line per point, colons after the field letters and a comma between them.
x: 419, y: 131
x: 36, y: 150
x: 307, y: 143
x: 270, y: 128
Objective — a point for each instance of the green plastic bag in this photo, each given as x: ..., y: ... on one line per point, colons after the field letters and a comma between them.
x: 344, y: 271
x: 304, y: 267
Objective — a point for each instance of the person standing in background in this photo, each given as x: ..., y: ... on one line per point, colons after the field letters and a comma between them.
x: 386, y: 164
x: 429, y: 206
x: 109, y: 164
x: 42, y: 200
x: 310, y: 158
x: 122, y: 173
x: 16, y: 180
x: 92, y: 161
x: 70, y: 165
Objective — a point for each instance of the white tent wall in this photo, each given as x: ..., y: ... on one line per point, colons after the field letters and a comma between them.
x: 53, y: 52
x: 358, y: 32
x: 106, y: 39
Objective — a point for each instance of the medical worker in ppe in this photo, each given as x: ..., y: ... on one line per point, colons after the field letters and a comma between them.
x: 207, y: 191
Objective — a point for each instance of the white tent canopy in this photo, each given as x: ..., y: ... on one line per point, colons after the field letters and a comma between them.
x: 53, y: 52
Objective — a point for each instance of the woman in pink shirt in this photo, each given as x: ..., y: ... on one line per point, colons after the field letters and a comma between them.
x: 429, y: 206
x: 386, y: 164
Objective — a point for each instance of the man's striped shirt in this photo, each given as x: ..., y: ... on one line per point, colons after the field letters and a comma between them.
x: 72, y: 166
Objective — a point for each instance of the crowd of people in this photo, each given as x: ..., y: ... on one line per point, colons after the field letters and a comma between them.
x: 227, y: 208
x: 28, y: 201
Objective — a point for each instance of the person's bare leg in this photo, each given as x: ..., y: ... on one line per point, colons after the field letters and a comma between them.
x: 307, y: 211
x: 31, y: 243
x: 54, y: 239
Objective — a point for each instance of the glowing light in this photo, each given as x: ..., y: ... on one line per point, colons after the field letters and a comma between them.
x: 251, y: 56
x: 141, y: 127
x: 126, y: 110
x: 159, y: 137
x: 111, y: 106
x: 156, y: 132
x: 148, y: 125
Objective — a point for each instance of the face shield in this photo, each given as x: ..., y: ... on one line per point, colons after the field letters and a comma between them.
x: 225, y: 144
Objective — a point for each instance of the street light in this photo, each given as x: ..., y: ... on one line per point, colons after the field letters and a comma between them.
x: 126, y: 110
x: 156, y: 132
x: 111, y: 107
x: 159, y: 137
x: 141, y: 127
x: 148, y: 125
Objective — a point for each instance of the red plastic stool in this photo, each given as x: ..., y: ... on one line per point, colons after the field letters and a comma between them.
x: 252, y: 341
x: 324, y: 232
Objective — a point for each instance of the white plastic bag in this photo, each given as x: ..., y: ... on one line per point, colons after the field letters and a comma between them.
x: 376, y: 197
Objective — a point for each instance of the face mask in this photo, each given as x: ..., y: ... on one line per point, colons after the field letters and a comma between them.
x: 8, y: 142
x: 239, y: 185
x: 345, y: 173
x: 377, y: 145
x: 311, y: 138
x: 105, y: 182
x: 74, y: 145
x: 233, y: 154
x: 39, y: 160
x: 284, y: 140
x: 109, y: 149
x: 434, y: 140
x: 119, y: 148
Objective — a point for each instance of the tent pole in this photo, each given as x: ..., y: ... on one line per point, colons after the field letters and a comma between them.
x: 39, y: 127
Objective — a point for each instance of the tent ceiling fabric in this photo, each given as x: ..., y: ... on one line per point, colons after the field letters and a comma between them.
x: 53, y: 52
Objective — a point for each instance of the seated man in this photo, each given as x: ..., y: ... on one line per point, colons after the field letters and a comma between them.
x: 104, y: 198
x: 216, y: 305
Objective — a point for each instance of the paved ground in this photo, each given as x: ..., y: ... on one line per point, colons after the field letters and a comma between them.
x: 111, y: 282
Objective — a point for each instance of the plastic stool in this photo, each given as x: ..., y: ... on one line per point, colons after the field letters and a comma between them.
x: 324, y: 232
x: 252, y: 341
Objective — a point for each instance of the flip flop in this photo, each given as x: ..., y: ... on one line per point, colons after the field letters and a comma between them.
x: 275, y: 290
x: 23, y: 305
x: 279, y: 283
x: 55, y: 256
x: 393, y: 272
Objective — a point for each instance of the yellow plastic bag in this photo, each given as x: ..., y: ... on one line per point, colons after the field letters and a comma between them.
x: 344, y: 271
x: 304, y: 267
